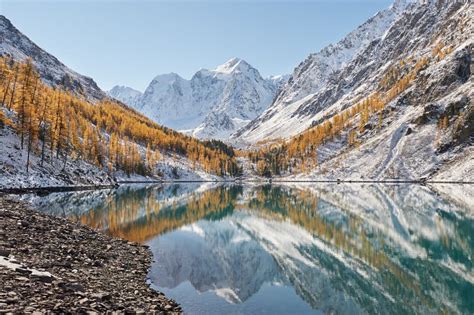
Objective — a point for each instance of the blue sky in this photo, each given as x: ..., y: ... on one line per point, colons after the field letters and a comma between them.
x: 130, y: 42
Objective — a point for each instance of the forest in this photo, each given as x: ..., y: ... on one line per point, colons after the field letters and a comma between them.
x: 55, y: 123
x: 300, y: 153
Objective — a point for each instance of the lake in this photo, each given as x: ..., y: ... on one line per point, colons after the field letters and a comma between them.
x: 296, y: 248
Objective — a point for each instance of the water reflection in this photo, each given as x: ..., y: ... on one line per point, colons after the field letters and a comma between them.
x: 343, y: 249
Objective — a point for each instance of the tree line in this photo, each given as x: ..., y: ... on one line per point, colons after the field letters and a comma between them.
x: 300, y: 153
x: 57, y: 125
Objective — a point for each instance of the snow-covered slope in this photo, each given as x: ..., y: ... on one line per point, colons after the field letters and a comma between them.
x: 213, y: 104
x: 285, y: 117
x: 408, y: 142
x: 53, y: 173
x: 59, y: 173
x: 64, y: 170
x: 125, y: 95
x: 52, y: 71
x: 404, y: 140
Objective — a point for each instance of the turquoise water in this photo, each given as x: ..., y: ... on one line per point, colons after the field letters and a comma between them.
x: 294, y: 249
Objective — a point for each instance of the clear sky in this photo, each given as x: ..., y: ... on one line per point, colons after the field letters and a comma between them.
x: 130, y: 42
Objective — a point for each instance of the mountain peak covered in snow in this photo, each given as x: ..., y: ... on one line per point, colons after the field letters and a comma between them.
x: 314, y: 73
x: 234, y: 65
x: 167, y: 77
x: 125, y: 94
x: 212, y: 104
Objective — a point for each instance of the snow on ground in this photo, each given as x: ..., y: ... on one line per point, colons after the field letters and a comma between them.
x: 171, y: 165
x: 58, y: 172
x: 11, y: 263
x: 461, y: 167
x: 172, y: 168
x: 13, y: 172
x: 402, y: 148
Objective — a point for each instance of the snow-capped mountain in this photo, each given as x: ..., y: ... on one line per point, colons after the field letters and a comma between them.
x: 404, y: 140
x: 126, y: 95
x: 315, y: 74
x: 279, y: 80
x: 213, y: 104
x: 65, y: 172
x: 52, y: 71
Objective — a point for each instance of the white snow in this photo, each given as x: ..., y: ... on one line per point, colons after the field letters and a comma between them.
x: 312, y: 75
x: 54, y: 172
x: 11, y: 263
x: 126, y: 95
x: 213, y: 104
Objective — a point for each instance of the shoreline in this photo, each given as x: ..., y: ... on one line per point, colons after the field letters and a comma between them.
x: 52, y: 264
x: 51, y: 189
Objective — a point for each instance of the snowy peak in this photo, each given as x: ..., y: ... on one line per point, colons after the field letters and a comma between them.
x: 315, y: 73
x: 400, y: 5
x: 418, y: 71
x: 213, y: 104
x: 119, y: 89
x: 279, y: 80
x: 234, y: 65
x: 167, y: 78
x: 125, y: 95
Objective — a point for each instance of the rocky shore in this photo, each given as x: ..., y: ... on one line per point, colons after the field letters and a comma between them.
x: 49, y: 264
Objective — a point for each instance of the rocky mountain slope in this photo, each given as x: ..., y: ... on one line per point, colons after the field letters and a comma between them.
x: 421, y: 68
x: 427, y: 131
x: 52, y: 71
x: 61, y: 138
x: 213, y: 104
x: 284, y: 117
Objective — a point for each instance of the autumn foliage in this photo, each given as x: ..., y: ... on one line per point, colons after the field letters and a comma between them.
x: 299, y: 154
x: 56, y: 124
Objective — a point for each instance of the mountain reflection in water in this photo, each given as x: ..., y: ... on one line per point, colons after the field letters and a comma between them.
x: 294, y: 249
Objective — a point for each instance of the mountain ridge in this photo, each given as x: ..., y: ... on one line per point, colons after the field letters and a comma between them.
x: 401, y: 109
x: 314, y: 73
x: 52, y: 71
x: 212, y: 104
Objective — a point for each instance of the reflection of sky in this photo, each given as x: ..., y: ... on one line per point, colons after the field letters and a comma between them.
x: 270, y: 299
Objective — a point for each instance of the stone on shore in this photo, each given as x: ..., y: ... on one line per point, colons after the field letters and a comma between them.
x: 52, y: 264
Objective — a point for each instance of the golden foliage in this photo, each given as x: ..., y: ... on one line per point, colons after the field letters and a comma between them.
x: 107, y: 134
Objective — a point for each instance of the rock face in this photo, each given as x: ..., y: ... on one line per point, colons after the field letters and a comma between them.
x: 213, y: 104
x: 405, y: 140
x: 316, y: 73
x: 52, y: 71
x: 48, y: 264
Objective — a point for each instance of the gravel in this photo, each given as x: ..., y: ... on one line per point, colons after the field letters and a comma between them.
x: 49, y: 264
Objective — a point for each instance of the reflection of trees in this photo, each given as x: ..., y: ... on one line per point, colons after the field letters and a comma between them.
x: 351, y: 238
x: 405, y: 279
x: 141, y: 216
